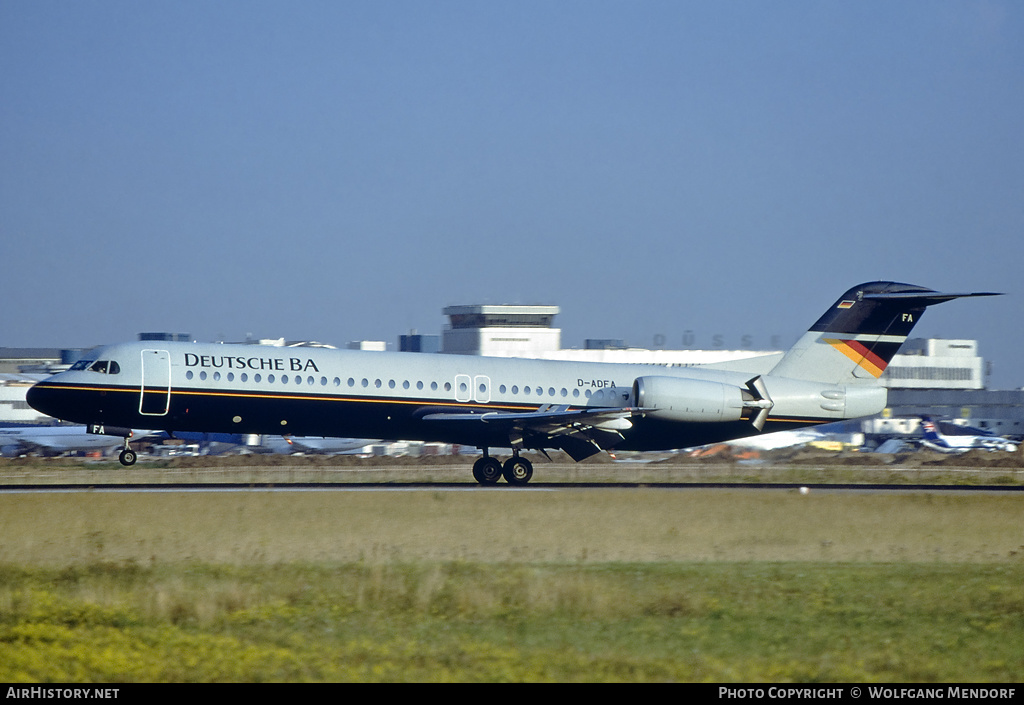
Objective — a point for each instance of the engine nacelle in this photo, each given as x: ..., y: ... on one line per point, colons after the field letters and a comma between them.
x: 690, y: 400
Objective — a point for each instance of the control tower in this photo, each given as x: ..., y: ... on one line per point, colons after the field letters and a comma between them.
x: 501, y: 331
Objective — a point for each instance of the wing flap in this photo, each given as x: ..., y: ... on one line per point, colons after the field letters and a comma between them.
x: 579, y: 432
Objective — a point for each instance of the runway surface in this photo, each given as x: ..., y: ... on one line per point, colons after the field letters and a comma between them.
x: 472, y: 487
x: 326, y: 474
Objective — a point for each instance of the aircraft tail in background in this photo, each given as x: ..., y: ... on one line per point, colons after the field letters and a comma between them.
x: 934, y: 439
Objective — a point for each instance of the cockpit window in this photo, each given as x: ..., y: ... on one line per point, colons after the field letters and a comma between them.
x: 81, y: 365
x: 109, y: 367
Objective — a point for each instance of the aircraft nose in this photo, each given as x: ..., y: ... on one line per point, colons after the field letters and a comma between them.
x: 41, y: 397
x: 32, y: 396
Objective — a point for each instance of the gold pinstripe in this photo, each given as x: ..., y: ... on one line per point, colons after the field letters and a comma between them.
x: 364, y: 400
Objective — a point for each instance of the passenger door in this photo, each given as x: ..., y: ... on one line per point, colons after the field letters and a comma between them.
x: 155, y: 393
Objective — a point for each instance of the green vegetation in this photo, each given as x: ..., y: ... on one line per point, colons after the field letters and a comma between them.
x: 508, y: 526
x: 500, y: 622
x: 557, y: 584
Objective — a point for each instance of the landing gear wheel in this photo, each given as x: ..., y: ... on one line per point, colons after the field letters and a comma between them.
x: 128, y: 457
x: 517, y: 471
x: 487, y: 470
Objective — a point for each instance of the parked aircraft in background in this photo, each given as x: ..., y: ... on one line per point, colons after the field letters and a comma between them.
x: 968, y: 439
x: 582, y: 408
x: 216, y: 443
x: 314, y: 446
x: 56, y: 440
x: 779, y: 439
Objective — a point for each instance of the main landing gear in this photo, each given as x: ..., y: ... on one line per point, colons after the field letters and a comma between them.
x: 515, y: 470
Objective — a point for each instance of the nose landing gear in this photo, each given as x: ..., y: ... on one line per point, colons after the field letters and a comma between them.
x: 127, y: 456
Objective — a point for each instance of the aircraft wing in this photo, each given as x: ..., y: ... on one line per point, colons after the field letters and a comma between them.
x: 579, y: 432
x: 944, y: 449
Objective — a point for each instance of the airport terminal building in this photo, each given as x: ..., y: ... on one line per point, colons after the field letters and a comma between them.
x: 529, y: 331
x: 939, y: 377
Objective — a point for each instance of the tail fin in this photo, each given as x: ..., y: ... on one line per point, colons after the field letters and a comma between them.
x: 929, y: 430
x: 858, y: 336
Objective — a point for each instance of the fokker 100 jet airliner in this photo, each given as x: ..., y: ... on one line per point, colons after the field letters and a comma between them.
x: 582, y: 408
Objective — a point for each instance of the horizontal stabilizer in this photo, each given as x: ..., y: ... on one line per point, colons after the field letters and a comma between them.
x: 929, y: 298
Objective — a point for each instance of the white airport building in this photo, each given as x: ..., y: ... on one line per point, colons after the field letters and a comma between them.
x: 529, y: 331
x: 13, y: 407
x: 501, y: 331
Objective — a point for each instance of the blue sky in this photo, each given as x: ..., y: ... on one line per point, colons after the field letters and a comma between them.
x: 344, y: 170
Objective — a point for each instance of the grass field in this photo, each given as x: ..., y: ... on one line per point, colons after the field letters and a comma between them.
x: 505, y: 585
x: 719, y: 622
x: 502, y: 525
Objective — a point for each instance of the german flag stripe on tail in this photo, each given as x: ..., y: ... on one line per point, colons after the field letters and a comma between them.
x: 861, y: 354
